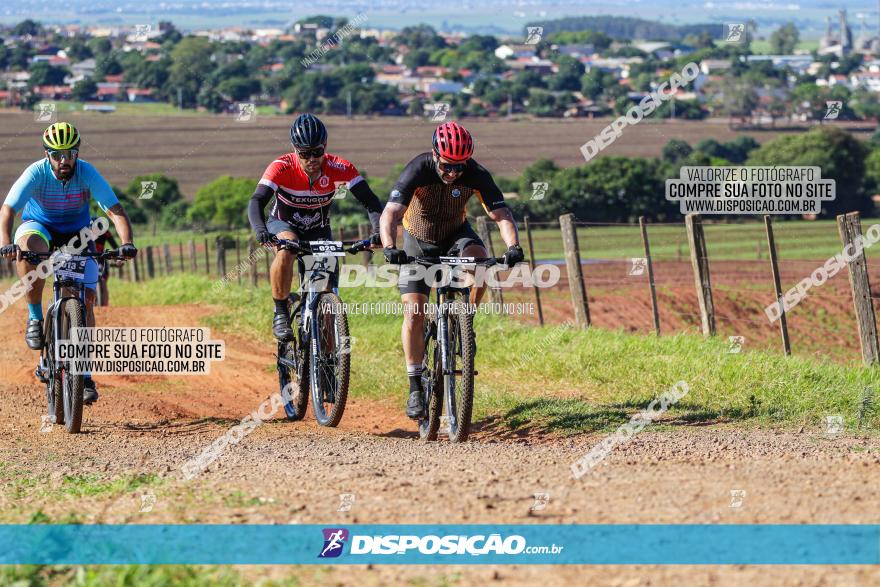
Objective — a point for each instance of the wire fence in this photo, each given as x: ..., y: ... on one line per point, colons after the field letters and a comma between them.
x: 621, y: 280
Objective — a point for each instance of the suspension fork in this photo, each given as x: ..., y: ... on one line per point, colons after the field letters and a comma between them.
x: 443, y: 332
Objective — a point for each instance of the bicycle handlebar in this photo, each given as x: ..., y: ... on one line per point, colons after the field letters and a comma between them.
x: 484, y: 261
x: 304, y: 247
x: 34, y: 257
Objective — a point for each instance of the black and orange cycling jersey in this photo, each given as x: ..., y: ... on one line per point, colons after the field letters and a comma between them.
x: 303, y: 203
x: 435, y: 209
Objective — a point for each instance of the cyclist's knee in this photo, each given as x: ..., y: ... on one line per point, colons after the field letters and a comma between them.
x: 33, y: 242
x: 475, y: 250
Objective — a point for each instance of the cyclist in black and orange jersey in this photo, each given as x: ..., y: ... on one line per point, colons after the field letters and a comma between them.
x: 430, y: 198
x: 303, y: 184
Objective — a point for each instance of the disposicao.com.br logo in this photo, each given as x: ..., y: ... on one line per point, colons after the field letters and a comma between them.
x: 392, y: 544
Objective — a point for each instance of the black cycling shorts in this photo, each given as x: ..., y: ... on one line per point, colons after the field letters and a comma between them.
x: 453, y: 244
x: 306, y: 263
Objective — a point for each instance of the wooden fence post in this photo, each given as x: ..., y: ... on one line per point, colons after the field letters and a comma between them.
x: 532, y: 268
x: 364, y: 231
x: 252, y: 258
x: 138, y: 274
x: 238, y: 268
x: 169, y: 264
x: 495, y: 295
x: 151, y: 269
x: 193, y: 257
x: 131, y: 273
x: 576, y: 285
x: 777, y: 284
x: 700, y: 264
x: 221, y: 258
x: 180, y: 251
x: 207, y: 259
x: 850, y: 227
x: 644, y: 226
x: 270, y: 254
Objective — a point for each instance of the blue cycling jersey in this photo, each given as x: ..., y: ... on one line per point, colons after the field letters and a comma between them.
x: 61, y: 206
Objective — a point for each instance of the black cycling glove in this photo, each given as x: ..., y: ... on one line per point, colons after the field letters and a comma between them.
x: 513, y: 255
x: 264, y: 236
x: 375, y: 240
x: 7, y: 250
x: 128, y: 250
x: 395, y: 256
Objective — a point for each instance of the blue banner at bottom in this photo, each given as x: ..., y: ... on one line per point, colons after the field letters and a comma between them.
x: 441, y: 544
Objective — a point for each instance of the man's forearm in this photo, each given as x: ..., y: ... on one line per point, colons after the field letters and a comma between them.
x: 121, y: 223
x: 506, y: 226
x: 7, y: 216
x: 389, y: 222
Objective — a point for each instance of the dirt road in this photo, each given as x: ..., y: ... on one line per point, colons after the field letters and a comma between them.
x: 287, y: 472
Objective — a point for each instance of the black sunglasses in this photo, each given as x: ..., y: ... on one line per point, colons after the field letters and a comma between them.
x: 451, y: 167
x: 315, y: 153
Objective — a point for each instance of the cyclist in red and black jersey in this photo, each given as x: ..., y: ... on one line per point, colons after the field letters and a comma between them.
x: 430, y: 198
x: 101, y: 242
x: 303, y: 184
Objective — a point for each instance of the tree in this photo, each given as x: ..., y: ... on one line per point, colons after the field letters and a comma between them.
x: 163, y: 193
x: 223, y: 202
x: 872, y: 172
x: 190, y: 61
x: 837, y: 153
x: 43, y: 74
x: 676, y: 149
x: 27, y: 27
x: 569, y: 75
x: 784, y: 39
x: 84, y: 90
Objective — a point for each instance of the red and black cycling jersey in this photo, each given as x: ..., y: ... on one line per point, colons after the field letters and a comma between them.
x: 303, y: 203
x: 434, y: 209
x: 104, y: 239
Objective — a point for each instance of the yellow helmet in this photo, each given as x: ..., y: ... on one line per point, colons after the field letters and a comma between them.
x: 60, y: 136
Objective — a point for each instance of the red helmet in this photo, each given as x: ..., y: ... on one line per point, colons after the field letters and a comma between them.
x: 453, y: 142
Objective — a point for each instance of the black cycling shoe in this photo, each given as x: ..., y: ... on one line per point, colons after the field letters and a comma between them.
x: 415, y: 407
x: 39, y: 373
x: 281, y: 327
x: 34, y: 334
x: 90, y: 394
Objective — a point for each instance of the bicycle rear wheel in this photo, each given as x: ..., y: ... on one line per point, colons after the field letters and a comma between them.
x: 432, y: 382
x: 458, y: 381
x: 293, y: 379
x: 71, y: 316
x: 332, y: 362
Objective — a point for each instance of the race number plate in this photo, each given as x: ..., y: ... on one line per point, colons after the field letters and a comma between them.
x: 457, y: 260
x: 71, y: 266
x: 327, y: 248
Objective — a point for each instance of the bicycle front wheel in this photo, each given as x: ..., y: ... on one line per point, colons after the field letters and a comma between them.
x: 458, y: 379
x: 432, y: 381
x: 331, y: 361
x: 71, y: 316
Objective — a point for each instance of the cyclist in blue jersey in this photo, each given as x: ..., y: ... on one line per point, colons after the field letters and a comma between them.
x: 53, y: 196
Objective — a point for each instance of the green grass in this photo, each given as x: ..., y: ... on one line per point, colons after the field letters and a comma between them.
x: 561, y: 378
x: 19, y: 484
x: 131, y: 576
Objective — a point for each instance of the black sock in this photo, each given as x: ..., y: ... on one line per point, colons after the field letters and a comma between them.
x: 281, y: 306
x: 415, y: 377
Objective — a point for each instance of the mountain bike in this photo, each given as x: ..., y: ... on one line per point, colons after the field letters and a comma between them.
x: 64, y: 387
x: 318, y: 359
x: 448, y: 365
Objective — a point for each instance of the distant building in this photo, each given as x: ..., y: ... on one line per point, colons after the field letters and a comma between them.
x: 840, y: 44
